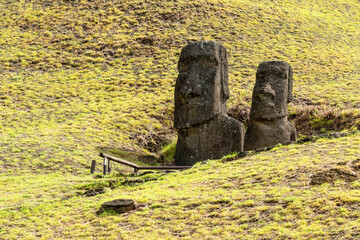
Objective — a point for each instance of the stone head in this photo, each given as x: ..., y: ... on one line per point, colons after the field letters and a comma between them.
x: 272, y: 91
x: 201, y: 88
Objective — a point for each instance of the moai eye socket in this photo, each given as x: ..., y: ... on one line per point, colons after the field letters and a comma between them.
x: 279, y: 73
x: 279, y: 80
x: 208, y: 62
x: 277, y: 76
x: 260, y: 76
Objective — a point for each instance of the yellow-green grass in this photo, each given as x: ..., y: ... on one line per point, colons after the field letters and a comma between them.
x: 265, y: 195
x: 79, y: 76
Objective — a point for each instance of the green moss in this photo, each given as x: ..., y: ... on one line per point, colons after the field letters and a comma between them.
x: 168, y: 152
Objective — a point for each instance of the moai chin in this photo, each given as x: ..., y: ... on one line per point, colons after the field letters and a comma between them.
x: 201, y: 91
x: 268, y: 116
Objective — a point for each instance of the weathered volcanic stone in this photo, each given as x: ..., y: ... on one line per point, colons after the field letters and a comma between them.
x: 268, y: 116
x: 118, y: 206
x: 201, y: 91
x: 211, y: 140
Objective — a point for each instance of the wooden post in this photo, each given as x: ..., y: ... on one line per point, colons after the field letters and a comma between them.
x: 104, y: 166
x: 109, y: 168
x: 93, y: 163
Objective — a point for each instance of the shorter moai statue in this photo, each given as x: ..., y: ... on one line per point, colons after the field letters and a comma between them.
x: 201, y: 91
x: 268, y: 115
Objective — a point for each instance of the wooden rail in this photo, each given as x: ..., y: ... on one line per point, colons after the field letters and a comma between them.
x: 108, y: 158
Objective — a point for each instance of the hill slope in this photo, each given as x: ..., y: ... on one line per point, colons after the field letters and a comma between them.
x: 299, y: 191
x: 78, y: 77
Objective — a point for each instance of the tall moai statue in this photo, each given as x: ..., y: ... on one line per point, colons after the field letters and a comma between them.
x: 268, y: 115
x: 201, y: 91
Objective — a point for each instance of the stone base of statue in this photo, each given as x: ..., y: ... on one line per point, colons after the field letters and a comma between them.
x: 210, y: 140
x: 268, y: 133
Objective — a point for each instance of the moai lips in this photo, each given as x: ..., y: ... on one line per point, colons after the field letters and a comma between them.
x: 201, y: 91
x: 268, y: 116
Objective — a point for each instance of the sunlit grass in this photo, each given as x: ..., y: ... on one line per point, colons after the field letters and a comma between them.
x: 264, y: 194
x: 101, y: 74
x: 80, y: 77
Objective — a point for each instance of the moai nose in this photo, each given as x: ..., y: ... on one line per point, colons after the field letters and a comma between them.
x: 193, y: 83
x: 266, y: 93
x: 267, y: 89
x: 190, y: 89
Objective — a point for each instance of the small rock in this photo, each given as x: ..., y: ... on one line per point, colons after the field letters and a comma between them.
x: 118, y: 206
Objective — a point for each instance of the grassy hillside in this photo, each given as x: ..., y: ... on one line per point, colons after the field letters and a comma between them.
x: 299, y: 191
x: 79, y: 76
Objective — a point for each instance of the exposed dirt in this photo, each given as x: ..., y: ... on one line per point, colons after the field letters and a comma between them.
x: 355, y: 166
x: 311, y: 118
x: 154, y: 141
x: 331, y: 175
x: 240, y: 112
x: 94, y: 192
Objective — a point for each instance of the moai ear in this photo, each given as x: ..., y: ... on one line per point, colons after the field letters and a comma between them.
x: 225, y: 93
x: 290, y: 84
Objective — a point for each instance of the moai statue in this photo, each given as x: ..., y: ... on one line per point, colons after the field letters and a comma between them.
x: 201, y: 91
x: 268, y: 116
